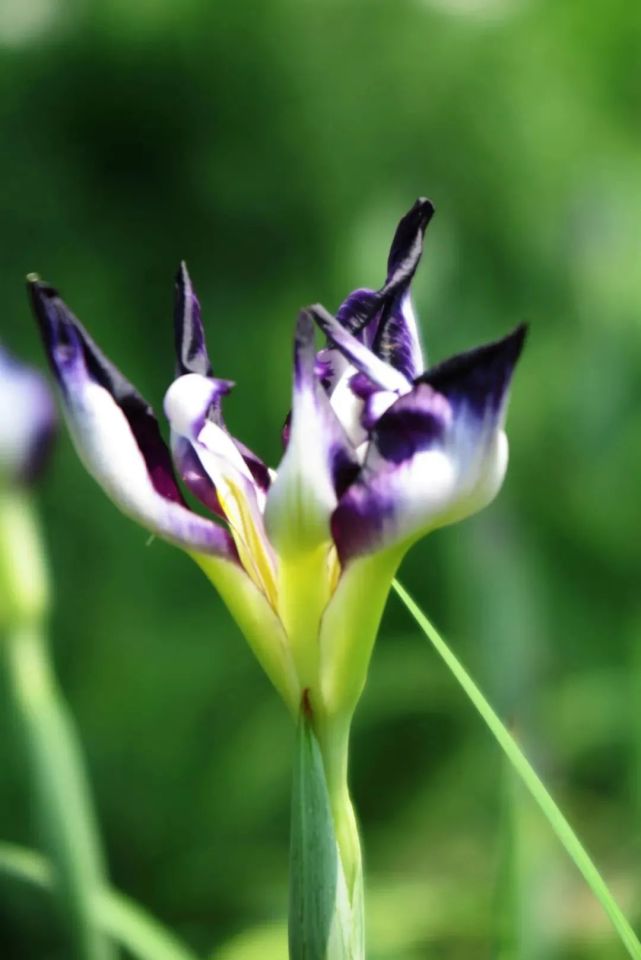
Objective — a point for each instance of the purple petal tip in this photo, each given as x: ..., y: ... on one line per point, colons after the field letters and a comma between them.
x: 481, y: 376
x: 411, y: 228
x: 191, y: 349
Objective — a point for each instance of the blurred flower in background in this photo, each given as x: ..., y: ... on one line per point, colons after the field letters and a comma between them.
x: 57, y: 790
x: 28, y: 422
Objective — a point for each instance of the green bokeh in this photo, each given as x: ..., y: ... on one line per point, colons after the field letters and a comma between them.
x: 274, y: 146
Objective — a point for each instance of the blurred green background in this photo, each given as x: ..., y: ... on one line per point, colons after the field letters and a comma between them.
x: 274, y: 146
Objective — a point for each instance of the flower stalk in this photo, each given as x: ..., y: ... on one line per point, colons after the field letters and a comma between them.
x: 59, y: 788
x: 326, y: 911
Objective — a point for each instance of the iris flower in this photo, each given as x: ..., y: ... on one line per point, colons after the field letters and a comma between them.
x: 379, y: 451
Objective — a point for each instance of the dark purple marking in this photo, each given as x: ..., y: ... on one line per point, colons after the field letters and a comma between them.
x: 286, y: 430
x: 344, y: 468
x: 359, y: 310
x: 362, y: 387
x: 407, y: 244
x: 414, y: 422
x: 359, y: 520
x: 194, y: 475
x: 255, y: 465
x: 478, y: 378
x: 376, y: 317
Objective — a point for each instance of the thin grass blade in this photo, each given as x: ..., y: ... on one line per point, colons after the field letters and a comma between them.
x: 530, y: 778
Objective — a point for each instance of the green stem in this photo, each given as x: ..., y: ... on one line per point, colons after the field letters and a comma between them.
x: 117, y: 916
x: 326, y: 883
x: 530, y: 778
x: 60, y: 790
x: 333, y: 739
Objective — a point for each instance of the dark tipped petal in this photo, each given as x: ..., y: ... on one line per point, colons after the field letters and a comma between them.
x: 379, y: 508
x: 396, y: 339
x: 407, y: 245
x: 383, y: 319
x: 63, y: 337
x: 192, y: 357
x: 436, y: 455
x: 191, y: 349
x: 479, y: 378
x: 116, y: 434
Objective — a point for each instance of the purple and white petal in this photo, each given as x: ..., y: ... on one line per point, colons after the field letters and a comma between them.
x: 116, y: 433
x: 187, y: 404
x: 217, y: 473
x: 384, y: 319
x: 358, y: 355
x: 397, y: 338
x: 360, y: 309
x: 407, y: 245
x: 357, y: 312
x: 27, y: 421
x: 360, y: 365
x: 437, y: 455
x: 192, y: 358
x: 319, y: 462
x: 347, y: 404
x: 194, y: 475
x: 191, y: 348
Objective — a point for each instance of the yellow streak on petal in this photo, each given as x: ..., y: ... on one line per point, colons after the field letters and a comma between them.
x: 333, y: 569
x: 249, y: 539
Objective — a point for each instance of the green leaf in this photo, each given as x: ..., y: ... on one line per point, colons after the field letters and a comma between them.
x: 530, y: 778
x: 117, y: 916
x: 319, y: 909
